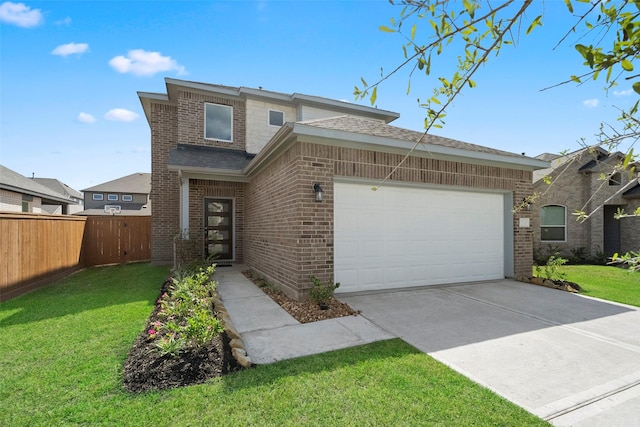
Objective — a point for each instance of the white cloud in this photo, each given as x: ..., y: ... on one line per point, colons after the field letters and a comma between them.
x: 143, y: 63
x: 591, y: 103
x: 625, y: 92
x: 66, y: 21
x: 86, y: 118
x: 20, y: 14
x: 70, y: 49
x: 121, y: 115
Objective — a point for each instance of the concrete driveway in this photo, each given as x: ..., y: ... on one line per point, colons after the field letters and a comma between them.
x: 569, y: 359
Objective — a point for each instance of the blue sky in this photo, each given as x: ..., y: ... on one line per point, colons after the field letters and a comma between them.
x: 69, y: 73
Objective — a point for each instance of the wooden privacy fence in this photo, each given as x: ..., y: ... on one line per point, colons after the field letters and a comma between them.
x: 36, y: 250
x: 116, y: 239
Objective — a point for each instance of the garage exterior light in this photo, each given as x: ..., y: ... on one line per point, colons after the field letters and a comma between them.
x: 319, y: 192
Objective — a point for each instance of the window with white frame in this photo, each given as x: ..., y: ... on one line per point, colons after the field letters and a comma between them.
x: 97, y: 196
x: 127, y: 198
x: 276, y: 118
x: 218, y: 122
x: 553, y: 223
x: 112, y: 197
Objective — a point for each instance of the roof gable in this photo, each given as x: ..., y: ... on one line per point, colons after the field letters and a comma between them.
x: 138, y: 183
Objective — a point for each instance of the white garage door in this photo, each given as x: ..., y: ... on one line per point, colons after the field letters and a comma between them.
x: 405, y: 236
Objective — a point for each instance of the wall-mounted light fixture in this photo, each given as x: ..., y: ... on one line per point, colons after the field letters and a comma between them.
x: 318, y: 190
x: 526, y: 204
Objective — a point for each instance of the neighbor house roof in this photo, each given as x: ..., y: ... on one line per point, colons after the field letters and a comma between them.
x: 137, y: 183
x: 13, y: 181
x: 587, y: 160
x: 173, y: 85
x: 59, y: 187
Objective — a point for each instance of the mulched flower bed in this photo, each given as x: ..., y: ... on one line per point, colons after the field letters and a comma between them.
x: 146, y: 369
x: 303, y: 311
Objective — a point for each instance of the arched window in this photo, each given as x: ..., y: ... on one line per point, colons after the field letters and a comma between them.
x: 553, y: 223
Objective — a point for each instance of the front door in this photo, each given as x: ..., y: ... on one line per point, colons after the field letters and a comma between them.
x: 218, y: 228
x: 611, y: 231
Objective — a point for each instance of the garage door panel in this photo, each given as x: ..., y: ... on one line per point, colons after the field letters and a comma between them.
x: 401, y: 236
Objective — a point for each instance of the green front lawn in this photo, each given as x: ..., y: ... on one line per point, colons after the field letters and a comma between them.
x: 63, y: 347
x: 606, y: 282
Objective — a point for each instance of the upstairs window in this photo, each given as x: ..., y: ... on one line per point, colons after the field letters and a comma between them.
x: 98, y: 197
x: 218, y: 122
x: 127, y: 197
x: 615, y: 179
x: 553, y: 223
x: 276, y: 118
x: 112, y: 197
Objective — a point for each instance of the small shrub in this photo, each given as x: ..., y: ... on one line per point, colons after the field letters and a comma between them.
x: 551, y: 270
x: 579, y: 255
x: 600, y: 258
x: 541, y: 256
x: 321, y: 293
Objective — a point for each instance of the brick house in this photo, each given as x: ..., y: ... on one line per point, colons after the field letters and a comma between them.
x: 239, y: 170
x: 584, y: 181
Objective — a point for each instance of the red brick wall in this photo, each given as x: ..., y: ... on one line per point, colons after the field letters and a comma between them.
x: 289, y: 236
x: 165, y: 189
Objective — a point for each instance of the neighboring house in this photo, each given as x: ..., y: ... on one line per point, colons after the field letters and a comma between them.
x: 126, y: 196
x: 64, y: 189
x: 583, y: 181
x: 21, y: 194
x: 283, y: 183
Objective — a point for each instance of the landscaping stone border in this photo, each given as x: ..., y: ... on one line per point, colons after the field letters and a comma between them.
x: 563, y: 285
x: 238, y: 349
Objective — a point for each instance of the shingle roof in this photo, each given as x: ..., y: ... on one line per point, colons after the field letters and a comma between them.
x: 13, y: 181
x: 632, y: 193
x: 198, y: 156
x: 137, y: 183
x: 376, y: 128
x: 59, y: 187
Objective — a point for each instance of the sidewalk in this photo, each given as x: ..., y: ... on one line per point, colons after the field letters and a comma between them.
x: 271, y: 334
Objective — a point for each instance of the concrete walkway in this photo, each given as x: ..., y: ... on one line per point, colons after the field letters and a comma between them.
x: 270, y: 334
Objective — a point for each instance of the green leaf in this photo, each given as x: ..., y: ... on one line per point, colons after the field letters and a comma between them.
x: 569, y: 5
x: 626, y: 65
x: 386, y: 29
x: 627, y: 159
x: 413, y: 32
x: 374, y: 95
x: 363, y: 82
x: 536, y: 22
x: 576, y: 79
x: 636, y: 87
